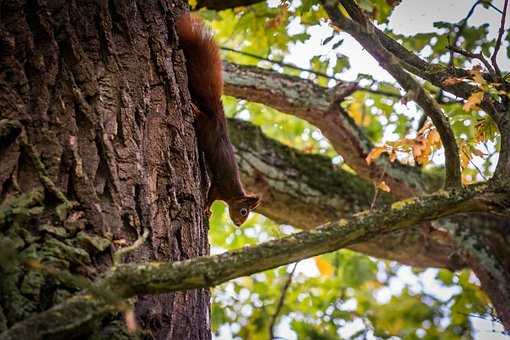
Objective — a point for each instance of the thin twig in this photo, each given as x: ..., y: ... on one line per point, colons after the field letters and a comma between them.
x: 498, y: 41
x: 119, y: 254
x: 376, y: 188
x: 460, y: 26
x: 281, y: 63
x: 281, y: 301
x: 363, y: 31
x: 317, y: 73
x: 478, y: 169
x: 478, y: 56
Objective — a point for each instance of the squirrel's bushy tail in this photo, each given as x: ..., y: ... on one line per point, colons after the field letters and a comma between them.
x: 203, y: 63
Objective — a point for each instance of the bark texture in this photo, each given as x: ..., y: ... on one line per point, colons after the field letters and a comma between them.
x: 128, y: 280
x: 320, y: 107
x: 306, y: 191
x: 98, y: 148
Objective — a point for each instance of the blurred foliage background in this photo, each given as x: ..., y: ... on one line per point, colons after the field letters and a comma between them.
x: 345, y: 294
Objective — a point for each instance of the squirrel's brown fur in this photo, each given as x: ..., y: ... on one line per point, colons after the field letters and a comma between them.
x: 205, y: 83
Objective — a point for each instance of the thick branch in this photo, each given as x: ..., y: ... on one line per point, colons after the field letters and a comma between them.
x: 129, y: 280
x: 363, y: 34
x: 311, y: 102
x: 290, y: 183
x: 294, y: 194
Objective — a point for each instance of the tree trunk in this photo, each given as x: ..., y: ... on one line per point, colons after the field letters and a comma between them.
x: 94, y: 110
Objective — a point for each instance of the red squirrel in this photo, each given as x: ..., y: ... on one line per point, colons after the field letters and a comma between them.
x: 205, y: 83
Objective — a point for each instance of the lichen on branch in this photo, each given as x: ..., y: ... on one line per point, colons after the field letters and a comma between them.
x: 128, y: 280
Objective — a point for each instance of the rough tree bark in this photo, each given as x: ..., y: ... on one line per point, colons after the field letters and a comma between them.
x: 97, y: 150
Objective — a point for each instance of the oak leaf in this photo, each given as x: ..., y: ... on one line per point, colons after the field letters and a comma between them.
x: 374, y: 154
x: 473, y: 101
x: 383, y: 186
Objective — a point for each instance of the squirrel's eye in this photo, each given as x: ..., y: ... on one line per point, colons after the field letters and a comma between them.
x: 243, y: 212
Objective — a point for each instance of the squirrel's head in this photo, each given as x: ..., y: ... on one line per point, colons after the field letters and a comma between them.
x: 239, y: 210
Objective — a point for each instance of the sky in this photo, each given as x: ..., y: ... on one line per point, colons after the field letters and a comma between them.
x: 410, y: 17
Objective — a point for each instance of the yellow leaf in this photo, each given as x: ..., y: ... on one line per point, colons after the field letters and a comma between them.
x: 485, y: 129
x: 433, y: 139
x: 355, y: 110
x: 404, y: 143
x: 476, y: 72
x: 421, y: 152
x: 466, y: 152
x: 473, y: 101
x: 193, y: 3
x: 324, y: 267
x: 383, y: 186
x: 374, y: 154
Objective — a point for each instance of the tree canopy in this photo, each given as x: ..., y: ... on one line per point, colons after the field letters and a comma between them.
x: 382, y: 154
x: 347, y: 288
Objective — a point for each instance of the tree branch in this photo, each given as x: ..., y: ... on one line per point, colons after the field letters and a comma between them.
x: 364, y: 35
x: 306, y: 100
x: 317, y: 73
x: 434, y: 73
x: 502, y: 172
x: 129, y: 280
x: 281, y: 301
x: 484, y: 250
x: 468, y: 54
x: 293, y: 194
x: 460, y: 28
x: 498, y: 41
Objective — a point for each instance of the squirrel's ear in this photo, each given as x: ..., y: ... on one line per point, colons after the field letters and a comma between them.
x: 251, y: 202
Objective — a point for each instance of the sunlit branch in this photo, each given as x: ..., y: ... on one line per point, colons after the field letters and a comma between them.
x: 317, y: 73
x: 306, y: 100
x: 363, y: 32
x: 129, y: 280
